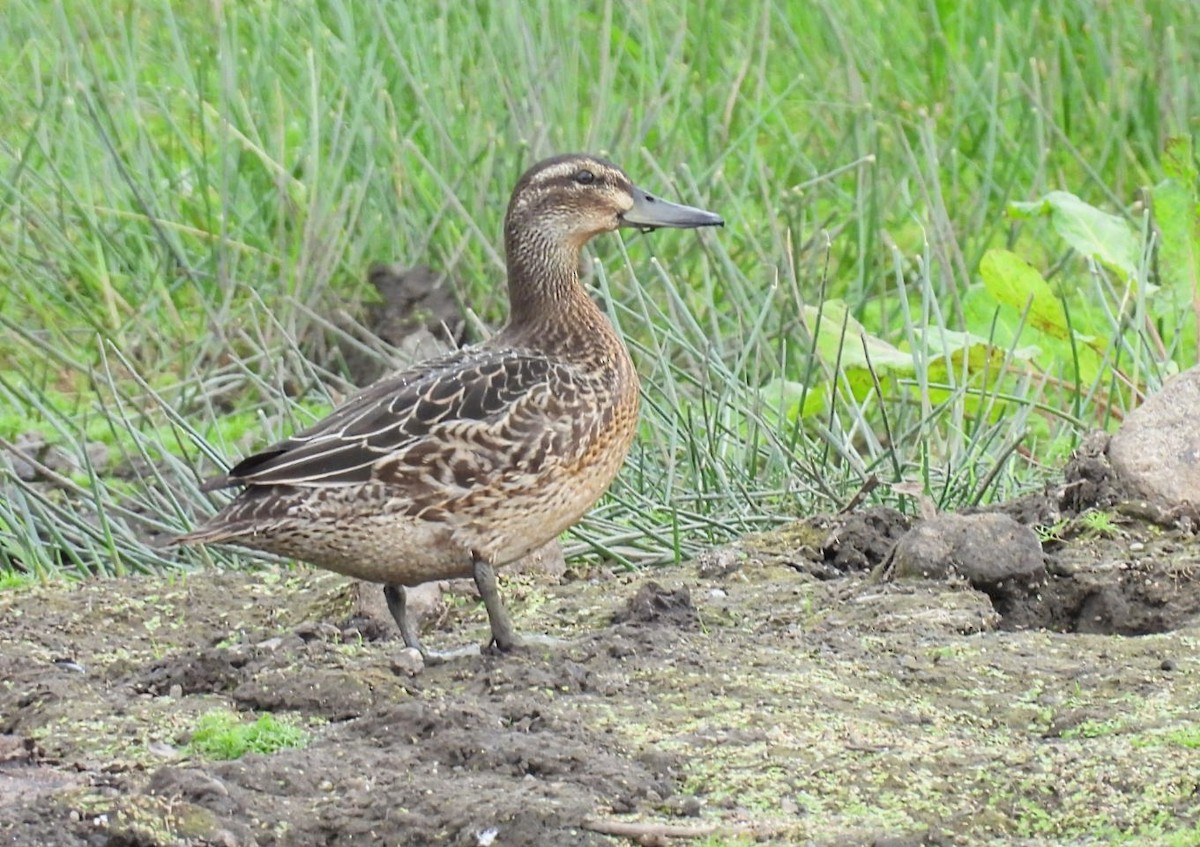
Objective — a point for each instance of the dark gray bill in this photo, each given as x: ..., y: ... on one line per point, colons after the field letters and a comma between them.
x: 649, y: 212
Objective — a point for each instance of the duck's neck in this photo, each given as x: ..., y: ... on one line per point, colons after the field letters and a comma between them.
x: 549, y: 307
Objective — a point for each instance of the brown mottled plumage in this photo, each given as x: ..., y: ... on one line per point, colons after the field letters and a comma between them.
x: 469, y: 461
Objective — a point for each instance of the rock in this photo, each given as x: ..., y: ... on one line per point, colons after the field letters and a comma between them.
x: 98, y: 455
x: 1157, y: 450
x: 27, y: 452
x: 985, y: 549
x: 718, y: 562
x: 408, y: 662
x: 425, y: 601
x: 422, y: 601
x: 547, y: 561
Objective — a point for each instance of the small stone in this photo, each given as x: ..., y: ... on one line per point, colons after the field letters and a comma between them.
x: 1167, y: 665
x: 162, y: 750
x: 683, y: 806
x: 720, y: 562
x: 546, y: 561
x: 408, y: 662
x: 28, y: 449
x: 318, y: 631
x: 97, y: 455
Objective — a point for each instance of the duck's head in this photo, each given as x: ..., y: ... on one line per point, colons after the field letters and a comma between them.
x: 570, y: 199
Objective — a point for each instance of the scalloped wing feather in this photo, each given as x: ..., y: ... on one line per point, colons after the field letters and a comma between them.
x: 476, y: 407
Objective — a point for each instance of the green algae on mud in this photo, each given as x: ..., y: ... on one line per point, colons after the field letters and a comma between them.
x: 775, y: 703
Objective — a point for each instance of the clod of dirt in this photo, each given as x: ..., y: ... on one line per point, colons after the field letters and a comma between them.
x: 825, y: 547
x: 989, y: 550
x: 14, y: 748
x: 1112, y: 585
x: 23, y: 776
x: 195, y: 784
x: 212, y: 670
x: 719, y: 562
x: 861, y: 540
x: 418, y: 315
x: 335, y: 694
x: 653, y: 604
x: 1120, y: 581
x: 1089, y: 481
x: 1157, y: 450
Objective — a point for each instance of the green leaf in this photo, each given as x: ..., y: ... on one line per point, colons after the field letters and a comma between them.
x: 1178, y: 161
x: 1014, y: 282
x: 1179, y: 230
x: 786, y: 399
x: 962, y: 358
x: 979, y: 352
x: 1108, y: 239
x: 1176, y: 215
x: 855, y: 347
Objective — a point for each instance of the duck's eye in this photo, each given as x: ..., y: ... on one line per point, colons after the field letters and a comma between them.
x: 585, y: 177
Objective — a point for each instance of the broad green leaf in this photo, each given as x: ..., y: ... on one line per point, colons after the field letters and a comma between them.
x: 1179, y: 250
x: 955, y: 354
x: 983, y: 313
x: 854, y: 347
x: 1177, y: 217
x: 1108, y: 239
x: 945, y: 342
x: 958, y: 358
x: 789, y: 400
x: 1178, y: 161
x: 1014, y: 282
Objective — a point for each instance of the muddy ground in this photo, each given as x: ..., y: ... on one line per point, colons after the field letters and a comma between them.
x: 787, y: 690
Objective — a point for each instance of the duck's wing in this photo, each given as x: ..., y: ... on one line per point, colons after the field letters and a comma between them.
x: 473, y: 408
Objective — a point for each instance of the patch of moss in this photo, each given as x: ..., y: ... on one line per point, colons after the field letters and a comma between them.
x: 224, y: 735
x: 1187, y: 737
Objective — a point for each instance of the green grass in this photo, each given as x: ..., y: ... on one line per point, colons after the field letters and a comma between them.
x: 190, y: 196
x: 225, y: 735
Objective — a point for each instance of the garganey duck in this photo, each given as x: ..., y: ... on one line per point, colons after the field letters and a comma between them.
x: 471, y: 460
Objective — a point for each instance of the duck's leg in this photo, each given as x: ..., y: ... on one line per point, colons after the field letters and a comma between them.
x: 397, y: 605
x: 504, y: 637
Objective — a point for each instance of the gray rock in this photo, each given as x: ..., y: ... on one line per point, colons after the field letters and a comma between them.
x: 408, y: 662
x: 426, y: 601
x: 985, y: 549
x: 1156, y: 453
x: 28, y: 449
x: 423, y: 601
